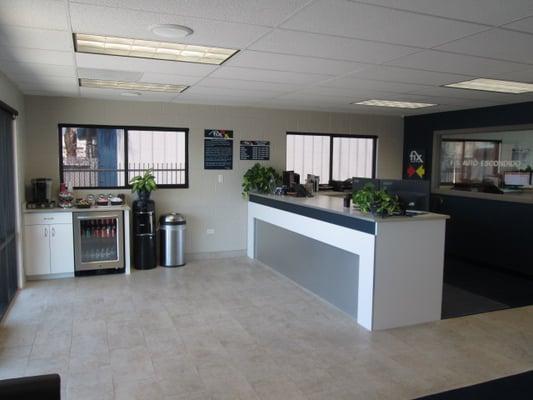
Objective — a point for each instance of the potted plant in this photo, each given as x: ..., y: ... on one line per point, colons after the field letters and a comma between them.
x: 143, y: 185
x: 260, y: 179
x: 375, y: 201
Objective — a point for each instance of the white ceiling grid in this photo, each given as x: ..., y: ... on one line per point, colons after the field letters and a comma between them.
x: 295, y: 54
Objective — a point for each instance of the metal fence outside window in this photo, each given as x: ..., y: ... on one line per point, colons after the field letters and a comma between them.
x: 87, y: 176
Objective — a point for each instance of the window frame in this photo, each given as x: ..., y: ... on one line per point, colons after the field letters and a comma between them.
x: 464, y: 141
x: 339, y: 135
x: 125, y: 128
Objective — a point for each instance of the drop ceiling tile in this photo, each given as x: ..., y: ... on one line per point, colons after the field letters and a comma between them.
x: 51, y: 87
x: 171, y: 79
x: 363, y: 21
x: 43, y: 81
x: 55, y: 93
x: 247, y: 85
x: 251, y: 74
x: 456, y: 63
x: 44, y: 14
x: 319, y: 99
x: 222, y: 100
x: 110, y: 75
x: 38, y: 56
x: 99, y: 61
x: 337, y: 48
x: 365, y: 84
x: 258, y: 12
x: 16, y: 68
x: 520, y: 76
x: 406, y: 75
x: 492, y: 12
x: 524, y: 25
x: 496, y: 43
x: 15, y: 36
x: 290, y: 63
x: 317, y: 91
x: 136, y: 24
x: 231, y: 92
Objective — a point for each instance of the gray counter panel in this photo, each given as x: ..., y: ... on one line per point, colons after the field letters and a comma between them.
x: 327, y: 271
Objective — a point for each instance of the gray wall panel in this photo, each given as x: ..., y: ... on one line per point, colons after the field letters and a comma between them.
x: 327, y: 271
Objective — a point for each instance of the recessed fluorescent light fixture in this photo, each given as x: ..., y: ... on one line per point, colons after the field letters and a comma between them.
x: 494, y: 85
x: 117, y: 46
x: 150, y: 87
x: 395, y: 104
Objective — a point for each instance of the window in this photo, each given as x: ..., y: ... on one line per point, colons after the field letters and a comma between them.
x: 109, y: 156
x: 352, y: 157
x: 464, y: 161
x: 331, y: 157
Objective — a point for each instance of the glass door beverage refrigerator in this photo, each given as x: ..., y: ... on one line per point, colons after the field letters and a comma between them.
x: 98, y: 242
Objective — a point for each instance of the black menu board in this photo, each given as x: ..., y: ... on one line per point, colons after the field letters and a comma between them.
x: 255, y: 150
x: 218, y: 149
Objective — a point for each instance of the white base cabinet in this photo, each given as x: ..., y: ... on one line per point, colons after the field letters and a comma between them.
x: 48, y: 244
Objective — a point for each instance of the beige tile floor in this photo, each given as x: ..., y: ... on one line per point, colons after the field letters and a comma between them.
x: 232, y: 329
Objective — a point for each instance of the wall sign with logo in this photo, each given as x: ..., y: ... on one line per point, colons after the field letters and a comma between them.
x: 416, y: 167
x: 218, y: 149
x: 255, y: 150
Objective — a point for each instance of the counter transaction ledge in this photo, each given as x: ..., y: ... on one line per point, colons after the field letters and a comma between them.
x: 382, y: 272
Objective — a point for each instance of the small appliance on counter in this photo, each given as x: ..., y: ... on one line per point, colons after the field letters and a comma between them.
x: 144, y: 234
x: 41, y: 194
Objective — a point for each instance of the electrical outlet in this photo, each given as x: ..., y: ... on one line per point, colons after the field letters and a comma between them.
x: 210, y: 231
x: 221, y: 179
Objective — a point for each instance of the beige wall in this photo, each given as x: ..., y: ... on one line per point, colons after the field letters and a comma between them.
x: 207, y: 203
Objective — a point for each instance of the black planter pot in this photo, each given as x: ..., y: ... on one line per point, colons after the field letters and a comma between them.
x: 143, y: 196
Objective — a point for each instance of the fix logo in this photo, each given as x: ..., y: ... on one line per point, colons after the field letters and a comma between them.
x: 415, y: 157
x: 416, y: 169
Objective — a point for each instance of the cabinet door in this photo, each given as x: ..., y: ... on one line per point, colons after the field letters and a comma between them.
x: 61, y: 249
x: 37, y: 249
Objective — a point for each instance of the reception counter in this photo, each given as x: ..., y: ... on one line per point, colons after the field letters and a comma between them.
x: 383, y: 272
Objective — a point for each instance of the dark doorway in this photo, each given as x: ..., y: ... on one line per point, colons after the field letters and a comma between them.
x: 8, y: 247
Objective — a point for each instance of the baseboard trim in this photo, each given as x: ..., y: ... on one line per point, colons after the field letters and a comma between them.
x: 214, y: 255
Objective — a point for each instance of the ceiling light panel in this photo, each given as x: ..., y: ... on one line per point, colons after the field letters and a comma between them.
x: 393, y: 104
x: 117, y: 46
x: 494, y: 85
x: 120, y: 85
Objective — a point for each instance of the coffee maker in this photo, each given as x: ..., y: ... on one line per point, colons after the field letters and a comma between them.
x: 41, y: 193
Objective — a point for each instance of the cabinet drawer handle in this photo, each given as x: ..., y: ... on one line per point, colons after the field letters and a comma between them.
x: 45, y: 232
x: 53, y: 232
x: 48, y: 218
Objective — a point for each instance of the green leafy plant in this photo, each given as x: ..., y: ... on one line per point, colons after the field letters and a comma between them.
x: 143, y: 183
x: 260, y: 179
x: 375, y: 201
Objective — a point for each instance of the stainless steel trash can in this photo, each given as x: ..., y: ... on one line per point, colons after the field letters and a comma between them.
x: 172, y: 240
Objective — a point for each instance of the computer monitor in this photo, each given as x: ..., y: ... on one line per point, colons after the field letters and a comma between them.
x: 413, y: 194
x: 358, y: 183
x: 517, y: 178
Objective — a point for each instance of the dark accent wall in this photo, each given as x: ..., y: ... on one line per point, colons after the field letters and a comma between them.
x: 418, y: 130
x: 489, y: 232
